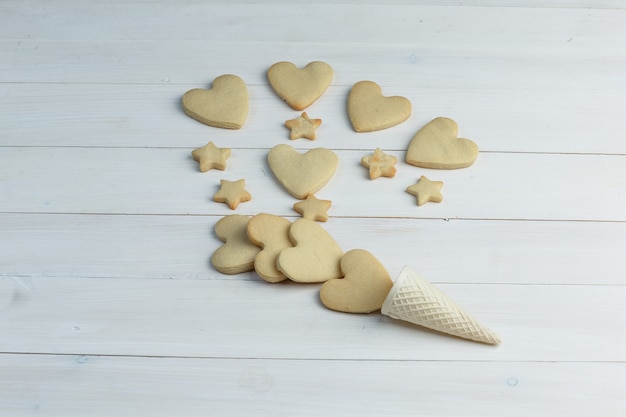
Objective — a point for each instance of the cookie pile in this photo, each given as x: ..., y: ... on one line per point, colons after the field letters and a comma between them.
x: 302, y: 251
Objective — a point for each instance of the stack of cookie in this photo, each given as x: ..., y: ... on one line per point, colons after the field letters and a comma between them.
x: 352, y: 282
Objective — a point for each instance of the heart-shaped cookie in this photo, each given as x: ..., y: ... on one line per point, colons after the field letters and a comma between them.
x: 369, y: 110
x: 237, y: 253
x: 315, y: 256
x: 271, y: 233
x: 225, y: 105
x: 437, y: 146
x: 300, y: 87
x: 364, y: 287
x: 302, y: 174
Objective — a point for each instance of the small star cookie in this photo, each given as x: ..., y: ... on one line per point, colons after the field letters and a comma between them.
x: 303, y: 127
x: 211, y: 157
x: 313, y: 209
x: 232, y: 193
x: 426, y: 190
x: 380, y: 164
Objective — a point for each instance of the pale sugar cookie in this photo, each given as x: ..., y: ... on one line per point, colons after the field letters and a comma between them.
x: 315, y: 256
x: 271, y: 233
x: 437, y: 146
x: 369, y: 110
x: 363, y: 288
x: 300, y: 87
x: 237, y: 253
x: 225, y: 105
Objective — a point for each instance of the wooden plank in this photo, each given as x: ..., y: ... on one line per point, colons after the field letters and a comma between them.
x: 454, y: 251
x: 101, y: 386
x: 151, y: 116
x: 561, y: 4
x: 537, y: 64
x: 254, y: 319
x: 321, y: 22
x: 167, y: 181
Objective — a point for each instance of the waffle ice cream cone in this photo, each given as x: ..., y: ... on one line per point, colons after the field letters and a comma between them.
x: 414, y: 299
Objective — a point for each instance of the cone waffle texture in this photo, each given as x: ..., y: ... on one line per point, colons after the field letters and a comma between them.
x: 416, y: 300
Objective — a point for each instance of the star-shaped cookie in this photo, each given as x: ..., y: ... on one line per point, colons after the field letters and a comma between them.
x: 303, y: 127
x: 232, y: 193
x: 313, y: 209
x: 211, y: 157
x: 380, y: 164
x: 426, y: 190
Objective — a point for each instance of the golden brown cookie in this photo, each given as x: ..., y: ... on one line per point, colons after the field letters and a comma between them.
x: 237, y: 253
x: 363, y: 288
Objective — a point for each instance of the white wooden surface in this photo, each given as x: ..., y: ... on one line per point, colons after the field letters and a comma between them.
x: 108, y: 303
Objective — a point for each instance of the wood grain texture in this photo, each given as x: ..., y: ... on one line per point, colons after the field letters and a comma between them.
x: 257, y: 22
x: 151, y: 115
x: 220, y: 318
x: 195, y: 387
x: 452, y: 251
x: 168, y: 181
x: 108, y: 302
